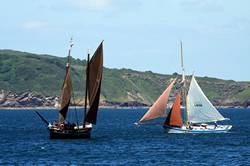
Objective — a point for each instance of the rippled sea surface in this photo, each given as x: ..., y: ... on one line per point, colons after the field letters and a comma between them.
x: 116, y: 140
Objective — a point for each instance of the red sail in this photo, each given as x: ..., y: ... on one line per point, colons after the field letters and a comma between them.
x: 174, y: 117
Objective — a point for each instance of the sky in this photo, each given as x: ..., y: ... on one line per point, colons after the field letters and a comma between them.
x: 138, y: 34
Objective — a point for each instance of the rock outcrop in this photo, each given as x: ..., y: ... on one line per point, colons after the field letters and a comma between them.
x: 26, y: 99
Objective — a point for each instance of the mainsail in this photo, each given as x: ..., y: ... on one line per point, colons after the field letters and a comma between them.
x: 94, y: 79
x: 199, y: 108
x: 174, y: 118
x: 66, y: 95
x: 159, y: 107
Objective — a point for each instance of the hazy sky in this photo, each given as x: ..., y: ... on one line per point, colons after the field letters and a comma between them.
x: 138, y: 34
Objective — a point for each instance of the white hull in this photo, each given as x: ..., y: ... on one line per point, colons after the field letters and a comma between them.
x: 199, y: 129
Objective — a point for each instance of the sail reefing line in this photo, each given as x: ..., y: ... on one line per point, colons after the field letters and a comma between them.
x: 159, y: 107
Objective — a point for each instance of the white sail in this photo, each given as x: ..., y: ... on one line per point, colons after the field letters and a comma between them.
x: 199, y: 108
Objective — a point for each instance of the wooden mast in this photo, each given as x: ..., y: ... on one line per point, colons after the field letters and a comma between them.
x: 70, y: 47
x: 86, y: 90
x: 184, y: 85
x: 66, y: 90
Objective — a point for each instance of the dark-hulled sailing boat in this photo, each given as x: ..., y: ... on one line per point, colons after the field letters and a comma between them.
x: 66, y: 130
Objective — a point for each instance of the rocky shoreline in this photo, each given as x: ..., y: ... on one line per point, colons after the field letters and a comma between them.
x: 26, y: 99
x: 31, y: 100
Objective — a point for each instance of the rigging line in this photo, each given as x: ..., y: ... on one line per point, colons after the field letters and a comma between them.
x: 69, y: 115
x: 69, y: 62
x: 73, y: 97
x: 86, y: 90
x: 42, y: 118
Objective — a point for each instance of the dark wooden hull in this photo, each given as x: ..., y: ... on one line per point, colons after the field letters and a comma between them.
x: 70, y: 133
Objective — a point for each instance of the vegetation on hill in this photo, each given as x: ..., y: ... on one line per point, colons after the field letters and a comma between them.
x: 43, y: 74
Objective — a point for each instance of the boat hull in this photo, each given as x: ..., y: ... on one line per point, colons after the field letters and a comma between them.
x: 198, y: 129
x: 81, y: 133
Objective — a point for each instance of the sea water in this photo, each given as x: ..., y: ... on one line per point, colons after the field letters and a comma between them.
x: 116, y: 140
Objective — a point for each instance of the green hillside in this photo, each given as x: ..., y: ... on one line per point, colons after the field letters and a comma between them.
x: 43, y: 74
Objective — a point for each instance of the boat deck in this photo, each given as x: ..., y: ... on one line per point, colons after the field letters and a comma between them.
x: 199, y: 129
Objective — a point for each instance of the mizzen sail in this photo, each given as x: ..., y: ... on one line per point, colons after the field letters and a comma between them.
x: 199, y: 108
x: 159, y: 107
x: 174, y: 118
x: 94, y: 74
x: 66, y: 95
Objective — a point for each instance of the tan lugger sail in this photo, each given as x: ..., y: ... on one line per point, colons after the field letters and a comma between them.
x: 66, y: 95
x: 94, y: 79
x: 159, y: 107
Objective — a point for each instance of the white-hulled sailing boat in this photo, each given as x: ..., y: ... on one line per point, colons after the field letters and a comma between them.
x: 62, y: 129
x: 200, y: 112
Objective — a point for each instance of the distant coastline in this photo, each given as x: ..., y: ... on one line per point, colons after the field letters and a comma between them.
x: 54, y: 108
x: 31, y: 101
x: 101, y: 107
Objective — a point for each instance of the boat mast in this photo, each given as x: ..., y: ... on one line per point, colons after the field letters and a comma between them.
x: 66, y: 93
x: 70, y: 47
x: 73, y: 96
x: 184, y: 85
x: 86, y: 90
